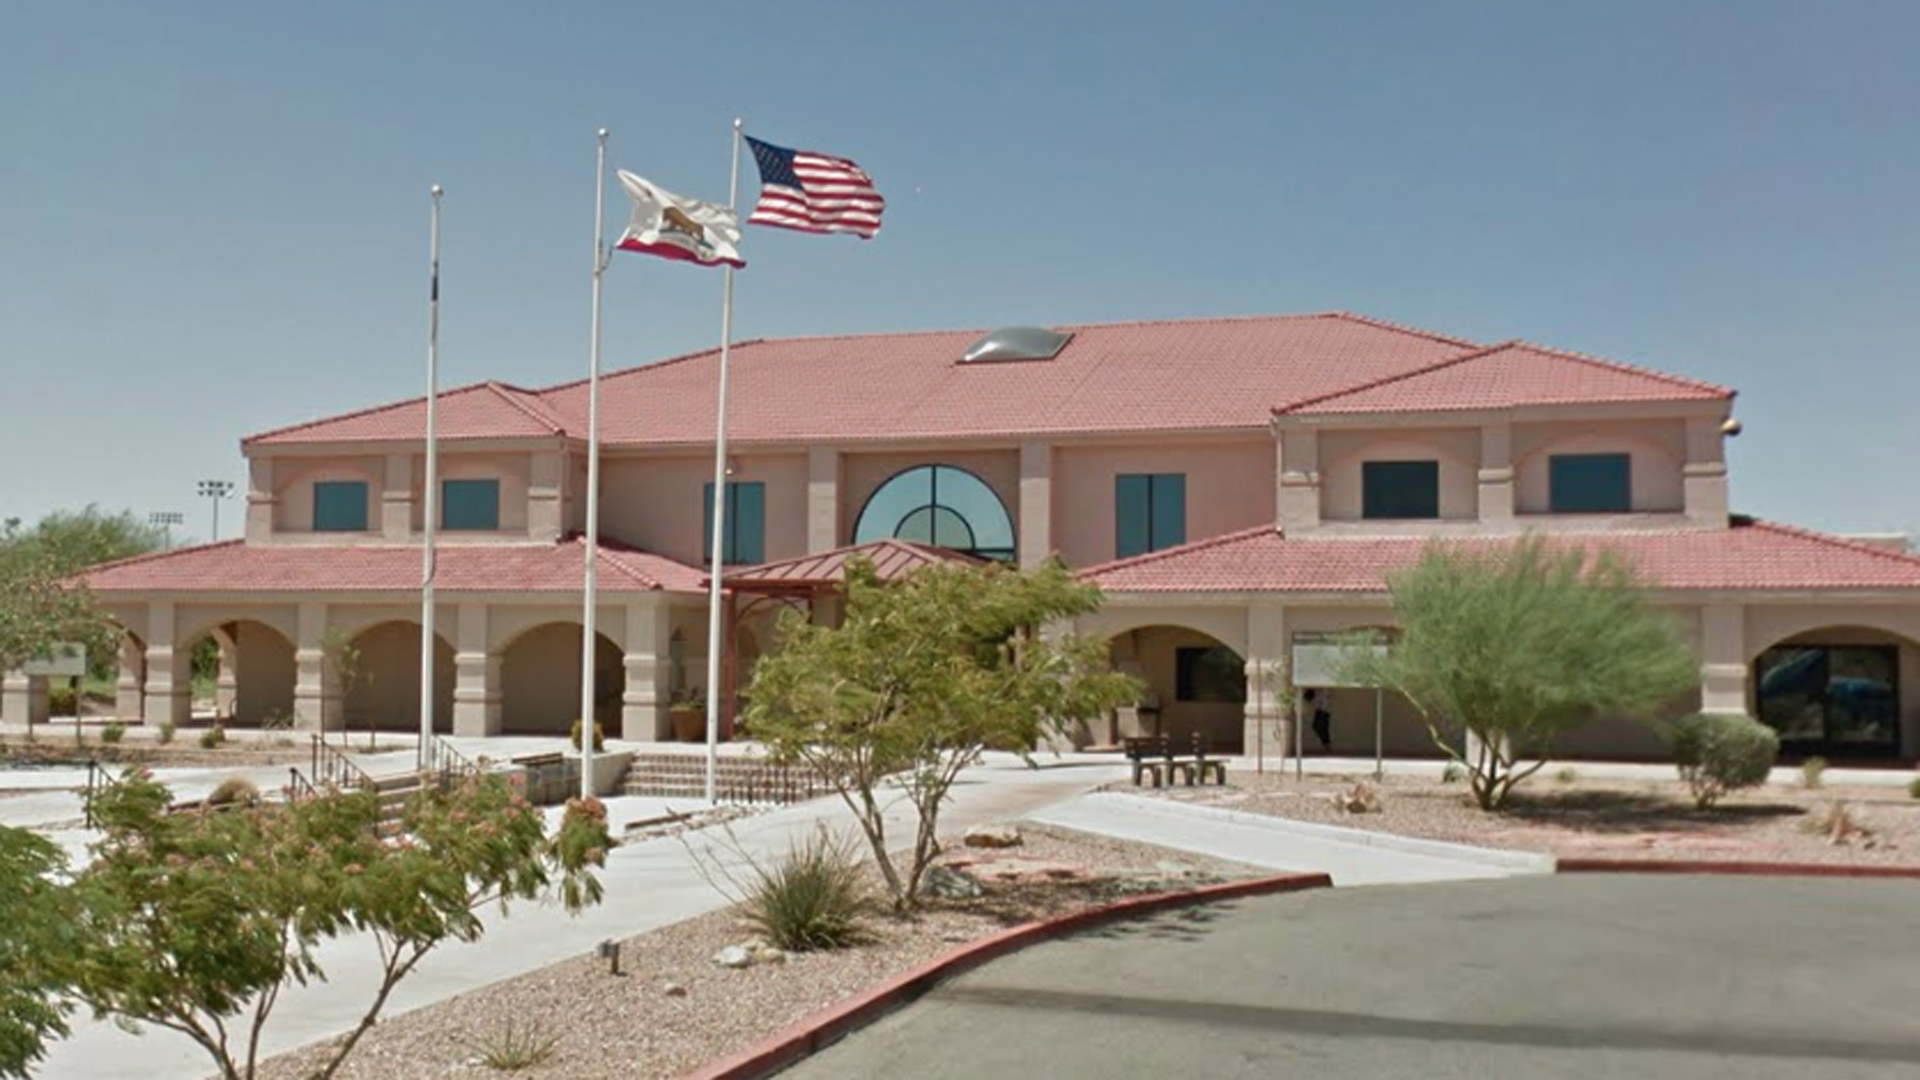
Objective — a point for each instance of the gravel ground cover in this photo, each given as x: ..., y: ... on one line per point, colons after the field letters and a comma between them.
x: 674, y: 1009
x: 1578, y: 818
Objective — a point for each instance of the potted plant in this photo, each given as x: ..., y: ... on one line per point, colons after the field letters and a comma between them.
x: 688, y: 710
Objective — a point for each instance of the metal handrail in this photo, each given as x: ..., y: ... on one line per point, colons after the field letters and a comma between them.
x: 447, y: 763
x: 333, y: 768
x: 298, y: 786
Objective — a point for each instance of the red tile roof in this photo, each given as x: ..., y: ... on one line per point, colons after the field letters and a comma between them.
x: 1146, y: 376
x: 1751, y: 556
x: 1506, y: 376
x: 236, y: 567
x: 891, y: 559
x: 488, y: 410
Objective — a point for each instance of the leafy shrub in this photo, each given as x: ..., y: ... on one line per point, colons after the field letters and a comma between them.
x: 1813, y: 772
x: 1452, y: 773
x: 1567, y: 775
x: 513, y: 1047
x: 810, y: 901
x: 113, y: 733
x: 167, y: 728
x: 60, y: 701
x: 234, y: 789
x: 211, y: 738
x: 599, y: 736
x: 1913, y: 788
x: 1721, y: 752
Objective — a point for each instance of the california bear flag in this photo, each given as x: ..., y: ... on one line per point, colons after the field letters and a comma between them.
x: 676, y: 227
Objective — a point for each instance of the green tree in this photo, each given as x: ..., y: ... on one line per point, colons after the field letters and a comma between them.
x: 40, y: 608
x: 37, y: 935
x: 921, y: 676
x: 196, y: 922
x: 76, y: 539
x: 1518, y: 645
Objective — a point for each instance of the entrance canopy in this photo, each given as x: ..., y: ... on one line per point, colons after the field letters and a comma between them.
x: 811, y: 575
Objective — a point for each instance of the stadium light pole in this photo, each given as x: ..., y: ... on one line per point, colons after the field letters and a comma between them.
x: 216, y: 490
x: 165, y: 520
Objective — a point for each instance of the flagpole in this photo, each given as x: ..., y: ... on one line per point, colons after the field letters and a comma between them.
x: 587, y: 633
x: 715, y: 641
x: 430, y: 517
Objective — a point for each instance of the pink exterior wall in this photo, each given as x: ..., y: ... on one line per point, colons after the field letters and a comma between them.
x: 513, y: 470
x: 655, y: 502
x: 1343, y: 452
x: 863, y: 473
x: 1657, y: 447
x: 1229, y: 487
x: 294, y: 477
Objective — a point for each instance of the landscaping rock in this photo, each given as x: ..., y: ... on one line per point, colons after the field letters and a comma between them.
x: 992, y: 836
x: 764, y: 953
x: 674, y: 990
x: 949, y: 884
x: 734, y: 956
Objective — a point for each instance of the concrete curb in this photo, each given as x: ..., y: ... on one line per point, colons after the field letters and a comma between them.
x: 1746, y: 869
x: 828, y: 1026
x: 1526, y: 861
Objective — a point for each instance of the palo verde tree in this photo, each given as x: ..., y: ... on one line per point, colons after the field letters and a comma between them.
x: 921, y: 675
x: 1517, y: 645
x: 36, y: 939
x: 197, y: 922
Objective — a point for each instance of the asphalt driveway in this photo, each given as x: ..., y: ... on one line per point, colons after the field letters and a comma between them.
x: 1575, y: 976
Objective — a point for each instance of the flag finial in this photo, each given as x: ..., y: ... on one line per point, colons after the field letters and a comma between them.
x: 436, y: 191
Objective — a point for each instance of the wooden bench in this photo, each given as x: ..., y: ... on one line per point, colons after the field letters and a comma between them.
x: 1152, y: 755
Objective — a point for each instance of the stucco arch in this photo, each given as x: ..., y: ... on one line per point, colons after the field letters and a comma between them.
x: 260, y: 661
x: 1656, y: 467
x: 540, y: 680
x: 1226, y: 625
x: 386, y: 694
x: 1768, y: 629
x: 1152, y: 654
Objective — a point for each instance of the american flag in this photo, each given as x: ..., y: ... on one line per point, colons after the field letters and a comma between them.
x: 814, y: 192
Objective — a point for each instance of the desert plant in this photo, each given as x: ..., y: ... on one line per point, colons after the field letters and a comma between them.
x: 167, y: 730
x: 599, y: 736
x: 1721, y: 752
x: 1452, y: 773
x: 1813, y: 773
x: 63, y: 701
x: 514, y: 1047
x: 1567, y: 775
x: 234, y: 790
x: 1517, y: 645
x: 812, y: 899
x: 921, y: 676
x: 113, y: 733
x: 1913, y: 787
x: 211, y: 738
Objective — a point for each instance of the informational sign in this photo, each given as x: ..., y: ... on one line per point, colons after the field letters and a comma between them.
x: 66, y: 661
x: 1319, y: 657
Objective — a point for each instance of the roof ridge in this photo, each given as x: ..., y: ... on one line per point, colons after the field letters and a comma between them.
x: 1829, y: 539
x: 1373, y: 384
x: 515, y: 396
x: 1621, y: 366
x: 611, y: 555
x: 152, y: 556
x: 417, y: 399
x: 1403, y: 328
x: 1177, y: 549
x: 622, y: 373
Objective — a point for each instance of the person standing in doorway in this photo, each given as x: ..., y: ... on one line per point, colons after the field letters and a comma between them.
x: 1322, y: 719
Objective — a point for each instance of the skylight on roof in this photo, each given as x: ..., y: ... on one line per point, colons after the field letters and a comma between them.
x: 1017, y: 343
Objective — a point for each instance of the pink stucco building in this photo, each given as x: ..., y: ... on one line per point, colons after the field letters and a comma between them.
x: 1230, y: 483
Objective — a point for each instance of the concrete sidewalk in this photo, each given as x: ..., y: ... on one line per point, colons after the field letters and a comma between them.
x: 649, y: 885
x: 1351, y: 856
x: 1315, y: 764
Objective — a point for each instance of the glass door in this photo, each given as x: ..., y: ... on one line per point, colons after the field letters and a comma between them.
x: 1841, y: 700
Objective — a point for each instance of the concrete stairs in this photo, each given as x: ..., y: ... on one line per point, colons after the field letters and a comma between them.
x: 666, y: 774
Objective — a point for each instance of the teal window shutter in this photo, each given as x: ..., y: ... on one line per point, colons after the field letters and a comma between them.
x: 470, y: 505
x: 1399, y: 489
x: 1169, y: 510
x: 339, y: 506
x: 1133, y: 521
x: 745, y: 542
x: 1590, y: 483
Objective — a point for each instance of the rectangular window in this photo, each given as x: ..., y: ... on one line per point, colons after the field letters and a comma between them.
x: 1212, y: 673
x: 339, y: 506
x: 745, y: 542
x: 1590, y: 483
x: 1399, y: 489
x: 1150, y: 512
x: 470, y: 505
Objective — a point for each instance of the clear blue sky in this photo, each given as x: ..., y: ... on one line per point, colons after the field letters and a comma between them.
x: 213, y: 214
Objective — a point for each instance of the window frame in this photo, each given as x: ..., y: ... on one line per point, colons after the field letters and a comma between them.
x: 1162, y: 489
x: 1556, y: 504
x: 366, y: 499
x: 733, y: 552
x: 447, y: 488
x: 1009, y: 554
x: 1369, y: 486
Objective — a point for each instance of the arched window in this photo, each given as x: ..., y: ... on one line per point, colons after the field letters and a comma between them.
x: 940, y: 505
